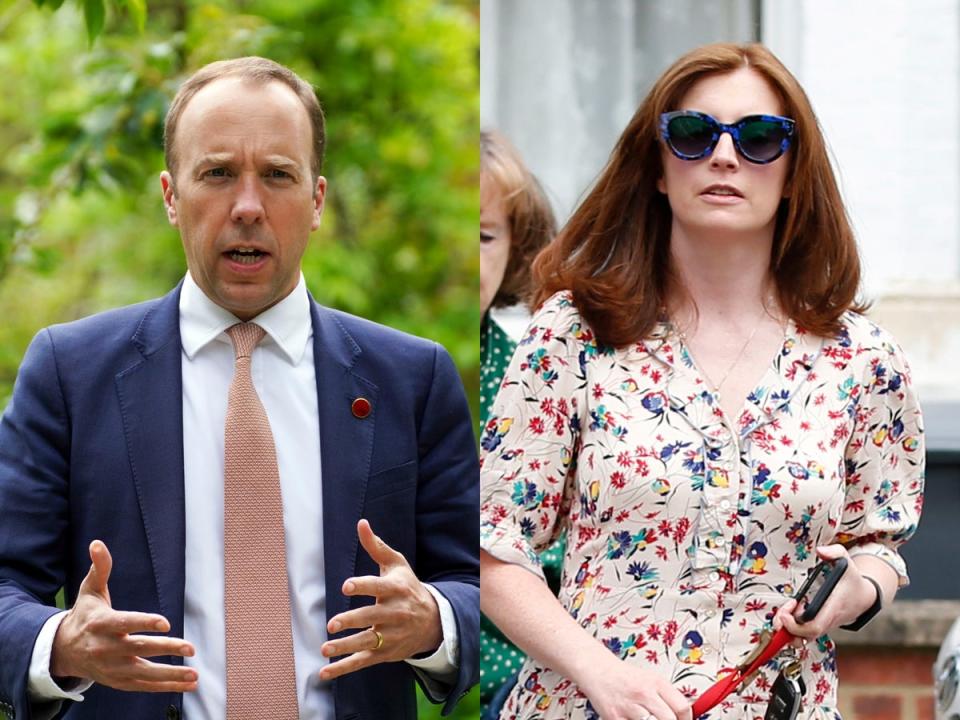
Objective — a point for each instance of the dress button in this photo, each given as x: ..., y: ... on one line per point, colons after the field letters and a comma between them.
x: 173, y: 713
x: 724, y: 504
x: 710, y: 613
x: 714, y: 576
x: 719, y: 542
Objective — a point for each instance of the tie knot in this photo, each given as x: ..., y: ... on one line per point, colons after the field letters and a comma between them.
x: 245, y: 337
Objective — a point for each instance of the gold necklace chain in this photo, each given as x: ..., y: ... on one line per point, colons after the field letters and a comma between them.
x: 736, y: 360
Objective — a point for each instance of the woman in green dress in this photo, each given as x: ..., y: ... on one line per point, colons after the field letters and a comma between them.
x: 515, y: 223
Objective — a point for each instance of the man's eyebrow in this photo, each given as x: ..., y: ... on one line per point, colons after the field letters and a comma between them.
x: 223, y: 158
x: 282, y: 161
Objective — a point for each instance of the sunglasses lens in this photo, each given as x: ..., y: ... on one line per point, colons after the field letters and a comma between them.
x: 690, y: 135
x: 762, y: 140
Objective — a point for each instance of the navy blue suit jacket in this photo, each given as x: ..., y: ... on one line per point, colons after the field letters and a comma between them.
x: 91, y: 446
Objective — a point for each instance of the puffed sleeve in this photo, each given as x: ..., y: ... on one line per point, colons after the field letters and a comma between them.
x: 884, y: 460
x: 529, y: 444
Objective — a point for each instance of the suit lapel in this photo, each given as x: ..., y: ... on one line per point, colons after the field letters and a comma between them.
x: 346, y: 447
x: 151, y: 402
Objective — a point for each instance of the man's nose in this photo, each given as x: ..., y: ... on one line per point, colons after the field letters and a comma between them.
x: 725, y: 154
x: 248, y: 205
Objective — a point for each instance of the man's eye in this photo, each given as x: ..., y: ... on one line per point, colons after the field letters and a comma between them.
x: 216, y: 172
x: 282, y: 174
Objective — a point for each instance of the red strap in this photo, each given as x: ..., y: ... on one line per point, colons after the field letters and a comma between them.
x: 726, y: 685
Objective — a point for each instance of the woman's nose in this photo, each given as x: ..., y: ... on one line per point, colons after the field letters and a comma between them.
x: 725, y: 154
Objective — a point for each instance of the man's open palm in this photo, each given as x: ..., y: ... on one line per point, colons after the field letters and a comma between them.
x: 96, y: 642
x: 404, y: 621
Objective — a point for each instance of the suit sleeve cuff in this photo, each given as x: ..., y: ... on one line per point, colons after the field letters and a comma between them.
x: 439, y: 670
x: 41, y: 687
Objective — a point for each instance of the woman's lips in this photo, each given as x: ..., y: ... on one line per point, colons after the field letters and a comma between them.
x: 722, y: 195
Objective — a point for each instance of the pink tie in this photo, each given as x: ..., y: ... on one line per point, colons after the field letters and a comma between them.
x: 261, y: 682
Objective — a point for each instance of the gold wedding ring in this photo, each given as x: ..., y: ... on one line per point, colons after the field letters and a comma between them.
x: 379, y: 639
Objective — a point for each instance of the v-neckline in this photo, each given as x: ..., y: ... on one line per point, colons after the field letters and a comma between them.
x: 770, y: 376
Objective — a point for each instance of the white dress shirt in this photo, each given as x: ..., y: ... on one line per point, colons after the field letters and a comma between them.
x: 283, y: 374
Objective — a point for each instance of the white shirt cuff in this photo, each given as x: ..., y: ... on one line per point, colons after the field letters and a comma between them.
x: 439, y: 670
x: 41, y: 687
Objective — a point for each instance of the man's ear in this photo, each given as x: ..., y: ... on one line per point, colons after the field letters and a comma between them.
x: 319, y: 195
x: 169, y: 197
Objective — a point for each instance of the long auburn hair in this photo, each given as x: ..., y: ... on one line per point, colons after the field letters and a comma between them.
x: 614, y: 253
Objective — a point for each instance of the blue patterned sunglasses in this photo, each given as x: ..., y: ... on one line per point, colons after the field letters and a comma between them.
x: 691, y: 135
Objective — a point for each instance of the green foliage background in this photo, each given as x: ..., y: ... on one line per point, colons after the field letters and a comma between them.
x: 83, y: 92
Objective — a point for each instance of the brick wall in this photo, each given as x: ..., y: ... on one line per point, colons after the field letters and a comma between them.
x: 886, y: 670
x: 886, y: 683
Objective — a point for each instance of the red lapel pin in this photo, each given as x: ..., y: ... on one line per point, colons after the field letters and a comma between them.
x: 360, y: 407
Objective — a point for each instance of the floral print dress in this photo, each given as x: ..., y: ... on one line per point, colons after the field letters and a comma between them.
x: 687, y: 530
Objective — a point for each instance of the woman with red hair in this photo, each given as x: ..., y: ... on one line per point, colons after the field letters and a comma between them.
x: 701, y: 406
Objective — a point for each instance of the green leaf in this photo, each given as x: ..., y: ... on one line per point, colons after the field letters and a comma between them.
x: 138, y: 12
x: 94, y: 13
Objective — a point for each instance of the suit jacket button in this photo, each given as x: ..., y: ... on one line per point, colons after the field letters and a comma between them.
x: 173, y: 713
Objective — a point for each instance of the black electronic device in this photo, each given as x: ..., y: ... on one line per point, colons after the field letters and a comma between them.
x: 819, y: 584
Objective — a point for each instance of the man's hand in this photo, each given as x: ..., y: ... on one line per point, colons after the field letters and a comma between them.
x: 95, y: 642
x: 405, y: 615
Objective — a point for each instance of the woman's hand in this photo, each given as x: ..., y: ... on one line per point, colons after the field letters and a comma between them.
x: 853, y: 595
x: 619, y: 691
x: 528, y: 613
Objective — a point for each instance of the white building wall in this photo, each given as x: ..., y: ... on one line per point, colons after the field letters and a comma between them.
x: 884, y: 78
x: 884, y: 84
x: 563, y: 89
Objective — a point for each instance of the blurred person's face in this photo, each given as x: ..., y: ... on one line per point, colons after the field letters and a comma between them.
x: 494, y: 241
x: 724, y: 193
x: 244, y: 199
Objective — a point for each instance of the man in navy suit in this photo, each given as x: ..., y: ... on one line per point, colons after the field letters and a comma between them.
x: 112, y: 464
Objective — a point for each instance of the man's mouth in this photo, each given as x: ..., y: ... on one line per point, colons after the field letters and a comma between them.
x: 245, y: 256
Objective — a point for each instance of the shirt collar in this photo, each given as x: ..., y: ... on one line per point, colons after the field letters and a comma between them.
x: 287, y: 324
